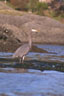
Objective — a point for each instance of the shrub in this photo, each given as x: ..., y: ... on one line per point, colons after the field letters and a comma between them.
x: 32, y: 5
x: 36, y: 6
x: 42, y: 5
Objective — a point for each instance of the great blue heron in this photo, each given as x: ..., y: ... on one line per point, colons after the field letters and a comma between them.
x: 22, y: 51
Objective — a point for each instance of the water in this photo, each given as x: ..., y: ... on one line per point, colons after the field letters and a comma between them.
x: 31, y: 82
x: 55, y: 53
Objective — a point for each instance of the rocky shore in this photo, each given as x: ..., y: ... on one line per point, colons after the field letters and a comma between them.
x: 14, y: 30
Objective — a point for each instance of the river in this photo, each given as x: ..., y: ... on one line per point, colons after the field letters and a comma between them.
x: 44, y: 78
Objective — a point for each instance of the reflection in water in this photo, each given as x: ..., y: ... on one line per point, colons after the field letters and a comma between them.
x: 27, y: 81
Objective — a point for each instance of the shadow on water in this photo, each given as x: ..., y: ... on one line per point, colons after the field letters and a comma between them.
x: 41, y: 74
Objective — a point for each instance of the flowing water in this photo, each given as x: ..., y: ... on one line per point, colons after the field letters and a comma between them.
x: 42, y: 74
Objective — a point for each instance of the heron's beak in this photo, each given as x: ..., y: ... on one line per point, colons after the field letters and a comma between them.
x: 34, y: 30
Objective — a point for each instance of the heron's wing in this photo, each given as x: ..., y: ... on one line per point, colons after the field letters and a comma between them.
x: 22, y: 50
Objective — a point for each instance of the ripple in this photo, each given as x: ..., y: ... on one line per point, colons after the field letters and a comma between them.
x: 25, y: 80
x: 32, y: 82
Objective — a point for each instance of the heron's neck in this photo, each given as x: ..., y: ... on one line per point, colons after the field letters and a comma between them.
x: 30, y: 40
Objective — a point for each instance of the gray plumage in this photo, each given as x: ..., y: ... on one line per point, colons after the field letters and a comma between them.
x: 23, y: 50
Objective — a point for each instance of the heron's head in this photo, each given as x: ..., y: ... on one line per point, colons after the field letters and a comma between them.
x: 35, y: 30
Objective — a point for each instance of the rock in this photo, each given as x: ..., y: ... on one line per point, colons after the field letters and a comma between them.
x: 38, y: 50
x: 14, y: 30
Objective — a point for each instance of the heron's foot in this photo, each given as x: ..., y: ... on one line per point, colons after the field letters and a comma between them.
x: 23, y: 59
x: 20, y: 60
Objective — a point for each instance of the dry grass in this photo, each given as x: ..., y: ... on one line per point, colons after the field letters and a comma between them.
x: 4, y: 6
x: 12, y: 12
x: 5, y: 9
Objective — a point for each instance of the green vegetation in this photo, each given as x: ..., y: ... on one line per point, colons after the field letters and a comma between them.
x: 37, y: 7
x: 32, y: 5
x: 41, y: 7
x: 10, y: 5
x: 55, y: 15
x: 54, y: 10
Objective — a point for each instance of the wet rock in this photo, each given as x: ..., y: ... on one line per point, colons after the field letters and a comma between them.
x: 38, y: 50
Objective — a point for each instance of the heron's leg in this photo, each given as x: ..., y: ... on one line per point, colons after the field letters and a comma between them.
x: 20, y: 60
x: 23, y: 59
